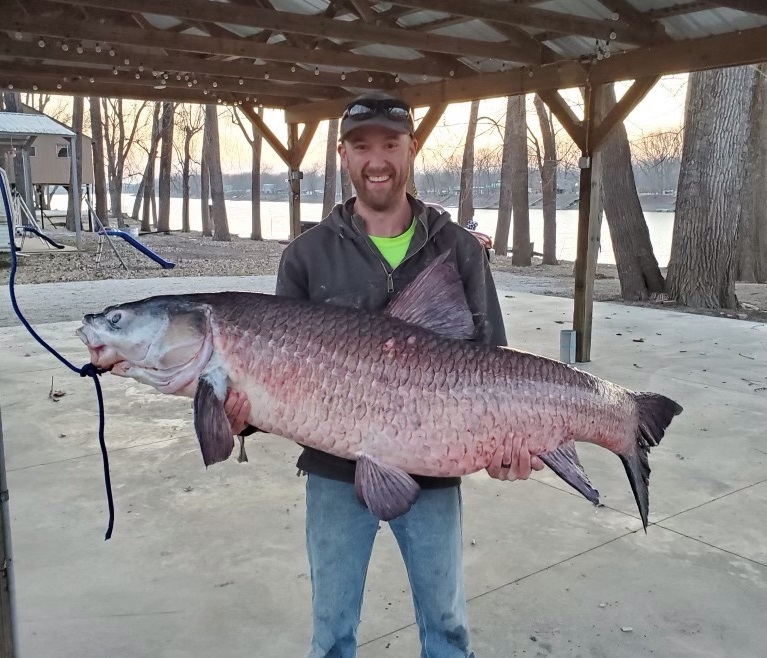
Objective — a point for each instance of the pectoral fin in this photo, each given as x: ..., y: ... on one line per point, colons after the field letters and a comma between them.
x: 387, y: 491
x: 210, y: 422
x: 565, y: 463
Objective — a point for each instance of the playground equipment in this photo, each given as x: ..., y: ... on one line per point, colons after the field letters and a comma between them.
x: 106, y: 235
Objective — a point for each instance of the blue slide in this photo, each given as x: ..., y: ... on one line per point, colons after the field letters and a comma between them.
x: 42, y: 236
x: 165, y: 264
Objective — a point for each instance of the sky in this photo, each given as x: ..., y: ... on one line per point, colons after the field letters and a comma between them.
x: 662, y: 108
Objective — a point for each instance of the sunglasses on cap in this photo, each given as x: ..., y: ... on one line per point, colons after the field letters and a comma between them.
x: 363, y: 110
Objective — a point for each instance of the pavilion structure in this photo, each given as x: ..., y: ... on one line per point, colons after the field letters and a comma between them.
x: 309, y: 57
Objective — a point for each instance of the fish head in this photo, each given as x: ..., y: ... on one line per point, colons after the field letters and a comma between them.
x: 162, y: 341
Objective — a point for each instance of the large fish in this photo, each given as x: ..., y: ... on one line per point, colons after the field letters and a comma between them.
x: 402, y: 391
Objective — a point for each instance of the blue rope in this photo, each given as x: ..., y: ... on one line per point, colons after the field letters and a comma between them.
x: 88, y: 370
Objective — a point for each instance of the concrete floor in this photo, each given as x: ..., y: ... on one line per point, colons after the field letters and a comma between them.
x: 211, y: 563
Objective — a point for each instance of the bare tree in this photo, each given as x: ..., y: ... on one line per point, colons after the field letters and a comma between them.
x: 329, y: 194
x: 191, y: 120
x: 121, y: 126
x: 753, y: 231
x: 704, y: 258
x: 505, y: 194
x: 166, y: 163
x: 12, y: 102
x: 466, y: 198
x: 207, y: 230
x: 147, y: 186
x: 638, y: 269
x: 657, y: 156
x: 548, y: 168
x: 99, y: 172
x: 255, y: 140
x: 517, y: 121
x: 75, y: 198
x: 220, y: 222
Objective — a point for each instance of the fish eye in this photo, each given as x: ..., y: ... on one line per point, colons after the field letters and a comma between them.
x: 115, y: 318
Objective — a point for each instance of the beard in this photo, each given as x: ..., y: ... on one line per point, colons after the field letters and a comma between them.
x: 381, y: 198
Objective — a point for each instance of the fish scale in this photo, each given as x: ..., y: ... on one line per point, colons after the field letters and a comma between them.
x: 447, y: 418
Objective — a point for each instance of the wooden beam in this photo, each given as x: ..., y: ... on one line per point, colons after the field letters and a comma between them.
x: 313, y: 25
x: 544, y: 19
x: 81, y: 87
x: 561, y: 110
x: 304, y: 142
x: 589, y: 213
x: 633, y: 96
x: 266, y: 133
x: 187, y: 63
x: 560, y: 75
x: 294, y: 200
x: 635, y: 18
x: 205, y: 84
x: 427, y: 123
x: 67, y: 29
x: 757, y: 7
x: 733, y: 49
x: 677, y: 10
x: 365, y: 11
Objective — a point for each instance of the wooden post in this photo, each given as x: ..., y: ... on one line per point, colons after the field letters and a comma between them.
x: 7, y: 599
x: 589, y: 225
x: 74, y: 182
x: 294, y: 179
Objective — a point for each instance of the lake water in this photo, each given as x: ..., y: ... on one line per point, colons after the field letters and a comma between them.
x: 275, y: 224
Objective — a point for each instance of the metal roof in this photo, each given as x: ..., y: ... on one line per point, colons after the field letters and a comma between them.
x: 19, y: 124
x: 307, y: 55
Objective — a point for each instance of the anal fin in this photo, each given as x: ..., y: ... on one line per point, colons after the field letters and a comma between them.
x: 211, y: 424
x: 565, y: 463
x: 387, y: 491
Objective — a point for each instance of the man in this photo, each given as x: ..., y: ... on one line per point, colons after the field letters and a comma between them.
x: 367, y: 250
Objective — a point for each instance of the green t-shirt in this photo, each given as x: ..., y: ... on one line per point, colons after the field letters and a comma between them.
x: 394, y: 249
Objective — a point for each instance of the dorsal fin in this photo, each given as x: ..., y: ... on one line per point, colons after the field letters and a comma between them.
x: 436, y: 300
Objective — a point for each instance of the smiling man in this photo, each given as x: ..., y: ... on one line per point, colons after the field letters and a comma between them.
x: 367, y: 250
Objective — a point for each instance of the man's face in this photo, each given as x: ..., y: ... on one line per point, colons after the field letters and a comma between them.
x: 378, y: 161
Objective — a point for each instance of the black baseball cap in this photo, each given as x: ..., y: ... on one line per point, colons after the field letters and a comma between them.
x: 377, y: 108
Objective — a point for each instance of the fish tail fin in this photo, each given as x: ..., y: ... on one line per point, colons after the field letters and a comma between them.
x: 655, y: 414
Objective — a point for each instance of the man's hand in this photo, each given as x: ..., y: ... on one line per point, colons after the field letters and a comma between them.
x: 237, y: 408
x: 513, y: 462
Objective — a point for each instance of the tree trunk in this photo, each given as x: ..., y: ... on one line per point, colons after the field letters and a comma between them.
x: 329, y: 194
x: 220, y: 223
x: 185, y: 224
x: 521, y: 252
x: 753, y: 230
x: 704, y: 259
x: 74, y: 191
x: 255, y: 185
x: 146, y: 221
x: 548, y: 183
x: 205, y: 181
x: 166, y: 164
x: 501, y: 242
x: 347, y: 190
x: 638, y: 269
x: 466, y: 198
x: 99, y: 175
x: 138, y: 199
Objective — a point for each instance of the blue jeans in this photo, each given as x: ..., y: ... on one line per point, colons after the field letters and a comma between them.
x: 339, y: 538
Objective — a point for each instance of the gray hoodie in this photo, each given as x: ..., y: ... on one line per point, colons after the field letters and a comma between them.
x: 335, y: 262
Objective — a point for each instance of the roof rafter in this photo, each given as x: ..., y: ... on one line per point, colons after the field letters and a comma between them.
x: 236, y: 47
x: 749, y: 6
x: 185, y: 62
x: 506, y: 12
x: 318, y: 26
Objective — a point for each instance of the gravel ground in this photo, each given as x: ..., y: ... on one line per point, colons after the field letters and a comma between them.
x: 56, y: 286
